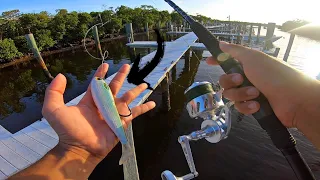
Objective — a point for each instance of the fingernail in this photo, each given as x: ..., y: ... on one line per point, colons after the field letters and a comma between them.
x: 252, y: 105
x: 236, y: 78
x: 153, y: 104
x: 252, y: 91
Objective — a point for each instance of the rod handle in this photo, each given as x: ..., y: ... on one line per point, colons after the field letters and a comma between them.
x: 267, y: 119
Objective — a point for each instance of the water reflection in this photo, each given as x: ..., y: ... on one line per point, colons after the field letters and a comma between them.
x: 304, y: 53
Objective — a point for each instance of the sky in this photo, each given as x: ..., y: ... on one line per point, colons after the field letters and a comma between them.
x: 263, y: 11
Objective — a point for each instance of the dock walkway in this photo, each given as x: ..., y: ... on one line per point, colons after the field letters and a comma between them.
x: 22, y: 149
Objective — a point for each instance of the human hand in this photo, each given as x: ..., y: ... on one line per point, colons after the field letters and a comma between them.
x: 287, y: 90
x: 81, y: 128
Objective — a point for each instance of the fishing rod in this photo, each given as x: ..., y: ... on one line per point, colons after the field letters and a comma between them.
x: 267, y: 119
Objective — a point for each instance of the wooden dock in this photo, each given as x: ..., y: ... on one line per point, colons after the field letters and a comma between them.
x: 22, y: 149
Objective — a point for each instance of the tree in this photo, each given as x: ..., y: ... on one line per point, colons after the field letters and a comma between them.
x: 289, y: 25
x: 33, y: 22
x: 125, y: 13
x: 43, y: 39
x: 21, y: 44
x: 57, y: 25
x: 84, y: 21
x: 10, y: 29
x: 176, y: 18
x: 8, y: 50
x: 11, y: 15
x: 8, y: 24
x: 71, y: 23
x: 165, y: 16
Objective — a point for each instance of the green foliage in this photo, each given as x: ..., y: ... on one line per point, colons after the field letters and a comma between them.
x: 176, y: 18
x: 57, y: 25
x: 21, y: 44
x: 8, y: 50
x: 43, y: 39
x: 289, y: 25
x: 9, y: 15
x: 33, y: 22
x: 67, y: 28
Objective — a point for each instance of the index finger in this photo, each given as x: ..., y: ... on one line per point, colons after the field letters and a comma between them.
x: 117, y: 81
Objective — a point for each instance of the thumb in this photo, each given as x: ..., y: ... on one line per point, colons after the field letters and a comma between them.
x: 239, y: 52
x: 54, y: 95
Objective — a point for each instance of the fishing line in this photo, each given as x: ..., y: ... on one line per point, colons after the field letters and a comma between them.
x: 207, y: 74
x: 104, y: 54
x: 214, y: 84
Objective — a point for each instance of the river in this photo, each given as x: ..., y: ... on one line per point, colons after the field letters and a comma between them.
x: 246, y: 154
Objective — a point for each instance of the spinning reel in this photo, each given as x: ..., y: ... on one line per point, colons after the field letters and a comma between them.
x: 204, y: 101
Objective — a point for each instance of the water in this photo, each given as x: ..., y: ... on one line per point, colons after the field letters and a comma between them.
x: 23, y: 86
x: 303, y: 55
x: 246, y: 154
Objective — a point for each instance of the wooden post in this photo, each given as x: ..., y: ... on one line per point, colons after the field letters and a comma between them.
x: 174, y: 73
x: 258, y: 35
x: 130, y: 168
x: 129, y: 32
x: 286, y: 55
x: 33, y: 46
x: 270, y: 32
x: 147, y: 30
x: 97, y: 40
x: 239, y: 32
x: 250, y: 34
x: 187, y: 60
x: 276, y: 52
x: 165, y: 93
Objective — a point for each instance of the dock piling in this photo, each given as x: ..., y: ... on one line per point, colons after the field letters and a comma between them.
x: 258, y: 35
x: 174, y: 73
x: 97, y: 40
x: 165, y: 93
x: 270, y: 31
x: 129, y: 33
x: 187, y: 60
x: 33, y: 46
x: 147, y: 29
x: 250, y: 34
x: 276, y: 52
x: 286, y: 55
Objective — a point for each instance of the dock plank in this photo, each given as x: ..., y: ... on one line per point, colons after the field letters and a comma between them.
x: 18, y: 147
x: 2, y: 175
x: 41, y: 137
x: 45, y: 128
x: 16, y: 160
x: 6, y: 168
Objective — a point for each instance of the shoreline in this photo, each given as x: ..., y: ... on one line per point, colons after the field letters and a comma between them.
x: 27, y: 58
